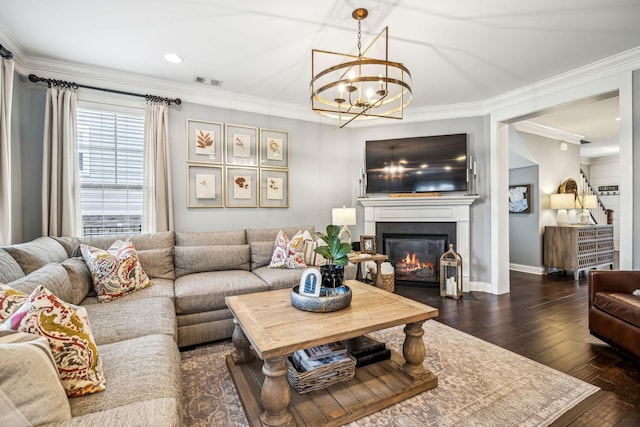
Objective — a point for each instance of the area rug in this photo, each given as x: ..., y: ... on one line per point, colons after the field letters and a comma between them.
x: 479, y: 384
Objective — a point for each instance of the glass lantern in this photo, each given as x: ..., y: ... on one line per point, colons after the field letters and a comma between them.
x: 451, y: 274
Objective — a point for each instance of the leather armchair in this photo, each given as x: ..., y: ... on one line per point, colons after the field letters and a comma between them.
x: 614, y: 312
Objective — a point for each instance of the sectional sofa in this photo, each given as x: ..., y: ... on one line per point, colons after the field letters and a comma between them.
x: 139, y: 335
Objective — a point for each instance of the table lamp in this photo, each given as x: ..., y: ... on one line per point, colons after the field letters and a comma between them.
x: 562, y: 202
x: 344, y: 216
x: 584, y: 202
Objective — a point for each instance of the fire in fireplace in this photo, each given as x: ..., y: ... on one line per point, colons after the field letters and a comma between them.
x: 415, y: 258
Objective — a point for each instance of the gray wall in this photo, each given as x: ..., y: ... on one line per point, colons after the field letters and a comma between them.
x: 524, y: 238
x: 324, y: 162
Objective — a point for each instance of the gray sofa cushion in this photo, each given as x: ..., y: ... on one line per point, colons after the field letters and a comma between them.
x: 139, y: 369
x: 9, y: 268
x: 196, y: 259
x: 269, y: 234
x: 206, y: 291
x: 279, y: 278
x: 80, y: 277
x: 155, y: 250
x: 37, y: 253
x: 261, y: 253
x: 160, y: 288
x: 126, y: 319
x: 52, y: 276
x: 164, y: 412
x: 211, y: 238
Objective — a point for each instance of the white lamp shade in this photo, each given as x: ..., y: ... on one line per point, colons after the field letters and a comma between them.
x: 562, y: 201
x: 343, y: 216
x: 587, y: 201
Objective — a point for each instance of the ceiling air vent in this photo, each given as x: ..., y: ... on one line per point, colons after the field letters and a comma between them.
x: 207, y: 81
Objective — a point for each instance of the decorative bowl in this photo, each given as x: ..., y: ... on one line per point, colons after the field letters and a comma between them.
x: 324, y: 303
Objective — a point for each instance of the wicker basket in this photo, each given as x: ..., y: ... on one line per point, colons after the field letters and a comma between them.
x: 388, y: 281
x: 321, y: 377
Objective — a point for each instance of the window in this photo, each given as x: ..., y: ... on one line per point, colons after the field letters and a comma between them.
x: 110, y: 154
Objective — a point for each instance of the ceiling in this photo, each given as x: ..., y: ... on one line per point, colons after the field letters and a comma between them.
x: 458, y: 52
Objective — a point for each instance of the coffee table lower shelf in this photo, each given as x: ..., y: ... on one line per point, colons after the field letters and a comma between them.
x: 373, y: 388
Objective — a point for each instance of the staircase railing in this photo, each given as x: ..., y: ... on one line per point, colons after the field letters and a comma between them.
x: 600, y: 214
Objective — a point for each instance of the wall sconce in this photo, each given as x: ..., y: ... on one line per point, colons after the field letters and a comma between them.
x: 562, y: 202
x: 344, y: 216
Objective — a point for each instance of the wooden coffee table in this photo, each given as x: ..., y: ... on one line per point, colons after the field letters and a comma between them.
x: 269, y: 327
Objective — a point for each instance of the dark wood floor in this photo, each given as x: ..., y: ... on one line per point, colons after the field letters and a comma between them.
x: 545, y: 319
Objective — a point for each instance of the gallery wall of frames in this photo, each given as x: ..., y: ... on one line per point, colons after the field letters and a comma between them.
x: 236, y: 166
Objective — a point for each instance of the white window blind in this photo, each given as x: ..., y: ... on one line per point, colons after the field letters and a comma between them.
x: 110, y: 154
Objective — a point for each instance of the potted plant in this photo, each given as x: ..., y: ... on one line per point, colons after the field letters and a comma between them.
x: 335, y: 252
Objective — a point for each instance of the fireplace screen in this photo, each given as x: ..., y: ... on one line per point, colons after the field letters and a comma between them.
x: 415, y: 258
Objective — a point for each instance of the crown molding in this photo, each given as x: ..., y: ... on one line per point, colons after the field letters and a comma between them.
x: 622, y: 62
x: 131, y: 82
x: 548, y: 132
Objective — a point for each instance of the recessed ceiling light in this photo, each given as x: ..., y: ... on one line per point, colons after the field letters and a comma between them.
x: 173, y: 58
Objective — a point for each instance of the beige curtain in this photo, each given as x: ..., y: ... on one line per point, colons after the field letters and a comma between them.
x: 6, y: 94
x: 60, y: 186
x: 157, y: 208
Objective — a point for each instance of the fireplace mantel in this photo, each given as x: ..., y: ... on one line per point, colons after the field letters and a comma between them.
x: 449, y: 208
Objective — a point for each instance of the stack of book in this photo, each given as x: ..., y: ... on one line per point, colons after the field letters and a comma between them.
x: 321, y: 355
x: 366, y: 350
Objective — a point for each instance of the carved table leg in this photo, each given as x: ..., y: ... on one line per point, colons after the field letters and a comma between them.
x: 242, y: 351
x: 413, y: 349
x: 275, y: 393
x: 379, y: 283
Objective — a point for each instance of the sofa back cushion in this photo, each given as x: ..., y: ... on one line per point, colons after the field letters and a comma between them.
x: 197, y: 259
x: 55, y: 278
x: 237, y: 237
x: 37, y: 253
x: 9, y: 268
x: 155, y: 250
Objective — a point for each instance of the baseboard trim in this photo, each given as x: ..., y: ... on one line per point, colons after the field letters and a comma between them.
x: 532, y: 269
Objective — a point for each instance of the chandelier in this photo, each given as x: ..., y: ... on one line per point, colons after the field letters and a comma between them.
x: 348, y: 87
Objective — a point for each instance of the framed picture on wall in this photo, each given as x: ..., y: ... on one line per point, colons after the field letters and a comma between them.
x: 274, y: 188
x: 204, y: 141
x: 519, y: 198
x: 204, y: 186
x: 274, y: 148
x: 242, y: 187
x: 241, y: 145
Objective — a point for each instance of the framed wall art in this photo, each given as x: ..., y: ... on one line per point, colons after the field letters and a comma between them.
x: 274, y: 188
x: 242, y: 187
x: 519, y: 198
x: 241, y: 145
x: 204, y: 186
x: 204, y: 141
x: 274, y: 148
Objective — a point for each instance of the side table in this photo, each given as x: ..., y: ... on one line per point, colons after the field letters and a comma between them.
x: 357, y: 259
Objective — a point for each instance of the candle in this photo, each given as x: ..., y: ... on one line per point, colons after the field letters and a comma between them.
x: 380, y: 81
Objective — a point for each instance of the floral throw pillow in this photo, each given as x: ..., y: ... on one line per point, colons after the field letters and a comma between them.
x: 10, y: 301
x: 288, y: 253
x: 68, y: 331
x: 116, y: 272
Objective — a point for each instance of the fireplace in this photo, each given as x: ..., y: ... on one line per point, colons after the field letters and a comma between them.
x: 414, y: 249
x: 450, y: 211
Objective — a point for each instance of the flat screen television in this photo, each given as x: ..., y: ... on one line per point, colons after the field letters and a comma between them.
x: 417, y: 165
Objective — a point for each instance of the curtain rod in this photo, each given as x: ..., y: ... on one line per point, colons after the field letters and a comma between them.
x: 5, y: 53
x: 72, y: 85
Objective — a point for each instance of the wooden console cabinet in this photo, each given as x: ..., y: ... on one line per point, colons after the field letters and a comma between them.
x: 578, y: 247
